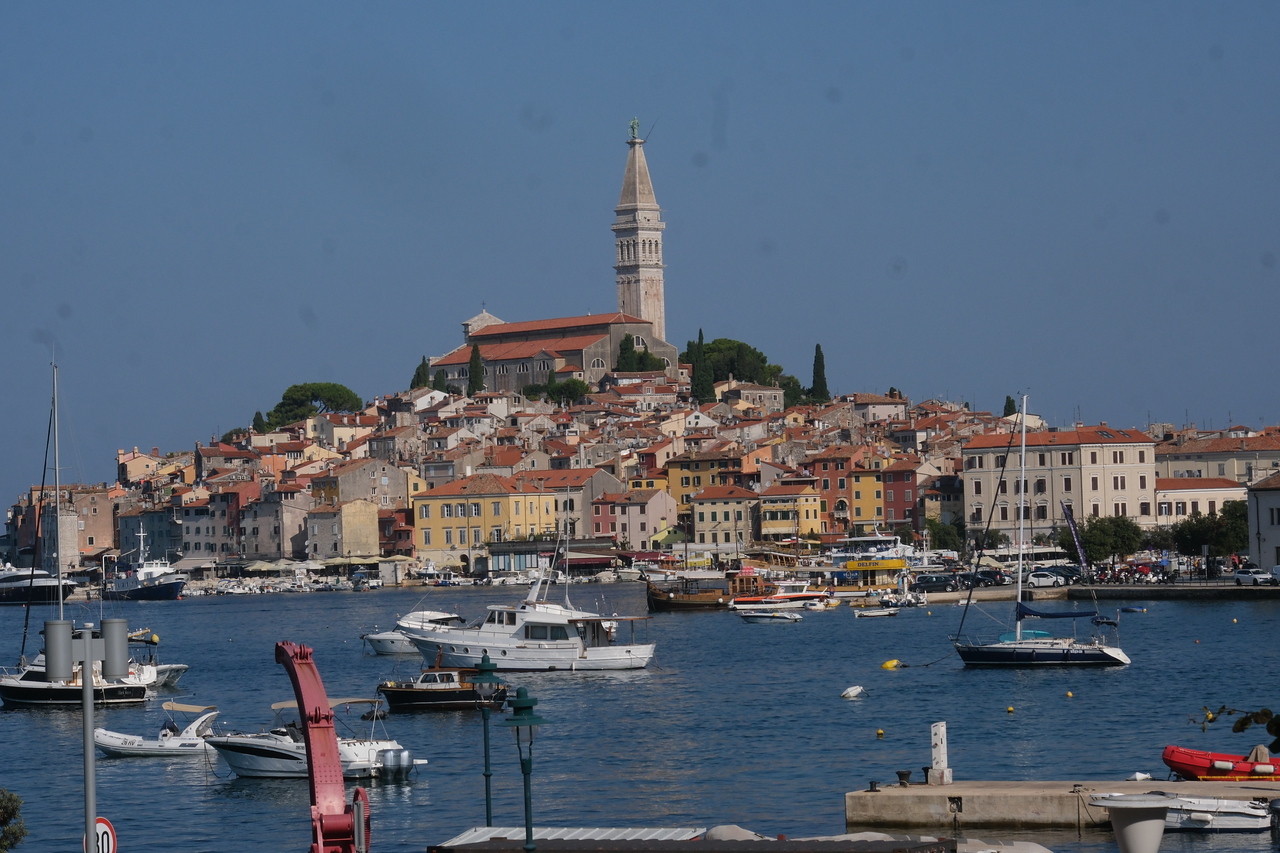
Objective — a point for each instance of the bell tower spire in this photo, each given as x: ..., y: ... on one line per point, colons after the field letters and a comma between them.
x: 638, y: 241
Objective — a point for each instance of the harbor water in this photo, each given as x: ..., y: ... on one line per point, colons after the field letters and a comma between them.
x: 733, y: 723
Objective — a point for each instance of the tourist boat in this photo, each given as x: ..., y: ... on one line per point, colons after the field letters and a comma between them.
x: 32, y: 586
x: 281, y: 752
x: 769, y: 616
x: 1039, y: 648
x: 536, y: 635
x: 398, y: 640
x: 29, y: 686
x: 1204, y: 766
x: 172, y: 742
x: 701, y: 594
x: 438, y: 689
x: 786, y: 595
x: 148, y: 580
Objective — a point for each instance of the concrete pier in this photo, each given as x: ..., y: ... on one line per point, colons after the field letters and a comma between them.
x: 1015, y: 805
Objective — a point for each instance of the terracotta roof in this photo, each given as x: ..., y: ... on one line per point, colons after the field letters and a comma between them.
x: 720, y: 493
x: 780, y: 491
x: 566, y: 323
x: 1191, y: 484
x: 1221, y: 445
x: 1272, y: 482
x: 1085, y: 435
x: 520, y: 349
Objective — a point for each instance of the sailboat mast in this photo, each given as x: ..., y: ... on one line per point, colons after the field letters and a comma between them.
x: 1021, y: 494
x: 57, y: 492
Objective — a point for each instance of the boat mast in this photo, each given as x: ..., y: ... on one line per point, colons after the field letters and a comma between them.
x: 57, y: 493
x: 1022, y: 496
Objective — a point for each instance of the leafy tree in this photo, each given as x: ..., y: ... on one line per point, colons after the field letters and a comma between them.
x: 1104, y: 538
x: 989, y: 540
x: 232, y: 436
x: 421, y: 376
x: 819, y: 392
x: 1262, y: 717
x: 1225, y: 533
x: 568, y: 392
x: 440, y: 381
x: 792, y: 391
x: 12, y: 829
x: 260, y: 424
x: 628, y: 361
x: 1010, y: 406
x: 1159, y: 539
x: 475, y: 372
x: 943, y: 537
x: 302, y: 401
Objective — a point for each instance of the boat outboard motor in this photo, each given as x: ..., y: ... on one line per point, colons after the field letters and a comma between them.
x: 1273, y: 809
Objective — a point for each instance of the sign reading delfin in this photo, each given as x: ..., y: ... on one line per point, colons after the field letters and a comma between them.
x: 893, y: 563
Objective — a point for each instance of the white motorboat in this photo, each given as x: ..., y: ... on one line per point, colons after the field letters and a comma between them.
x: 769, y: 616
x: 869, y: 612
x: 398, y: 641
x: 535, y: 635
x: 171, y: 742
x: 32, y: 586
x: 281, y: 752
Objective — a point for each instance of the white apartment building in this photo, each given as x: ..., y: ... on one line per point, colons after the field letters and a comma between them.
x: 1098, y: 471
x: 1264, y: 522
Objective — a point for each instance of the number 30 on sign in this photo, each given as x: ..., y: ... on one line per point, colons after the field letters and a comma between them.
x: 106, y: 838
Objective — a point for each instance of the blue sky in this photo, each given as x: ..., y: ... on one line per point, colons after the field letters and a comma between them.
x: 205, y: 203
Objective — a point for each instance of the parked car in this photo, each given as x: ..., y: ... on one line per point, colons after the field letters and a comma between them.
x: 968, y: 580
x: 1257, y: 576
x: 1043, y: 577
x: 990, y: 577
x: 1068, y: 576
x: 934, y: 583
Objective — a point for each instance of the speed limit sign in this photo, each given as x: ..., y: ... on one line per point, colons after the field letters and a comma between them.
x: 106, y: 838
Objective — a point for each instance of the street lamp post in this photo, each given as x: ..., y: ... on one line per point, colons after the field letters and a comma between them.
x: 486, y: 686
x: 524, y: 723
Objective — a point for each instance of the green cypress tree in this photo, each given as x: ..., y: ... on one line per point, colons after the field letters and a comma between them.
x: 628, y: 360
x: 819, y: 392
x: 259, y: 423
x: 421, y: 376
x: 702, y: 384
x: 475, y: 372
x: 441, y: 381
x: 1010, y: 406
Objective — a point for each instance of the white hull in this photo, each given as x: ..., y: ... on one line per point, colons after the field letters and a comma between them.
x: 390, y: 643
x: 190, y: 741
x: 274, y: 755
x: 530, y: 655
x: 1207, y: 814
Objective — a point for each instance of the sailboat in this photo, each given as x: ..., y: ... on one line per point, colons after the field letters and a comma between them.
x: 1038, y: 648
x: 29, y: 684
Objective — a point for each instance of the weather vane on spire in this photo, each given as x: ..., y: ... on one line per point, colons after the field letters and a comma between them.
x: 635, y: 128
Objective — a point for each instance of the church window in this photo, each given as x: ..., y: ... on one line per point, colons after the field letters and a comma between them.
x: 597, y: 363
x: 640, y: 342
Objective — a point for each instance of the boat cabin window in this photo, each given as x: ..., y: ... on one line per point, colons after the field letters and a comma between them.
x: 545, y: 632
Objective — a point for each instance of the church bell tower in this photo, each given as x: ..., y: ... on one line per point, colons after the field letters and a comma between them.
x: 638, y: 237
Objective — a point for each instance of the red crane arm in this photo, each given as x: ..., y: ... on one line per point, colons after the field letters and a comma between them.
x: 336, y: 826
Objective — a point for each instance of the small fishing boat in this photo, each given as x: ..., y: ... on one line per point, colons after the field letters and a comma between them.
x: 869, y: 612
x: 769, y: 616
x: 171, y: 742
x: 1220, y: 767
x: 438, y: 689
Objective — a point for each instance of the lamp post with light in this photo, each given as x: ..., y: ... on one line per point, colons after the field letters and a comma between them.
x: 486, y: 686
x: 524, y: 723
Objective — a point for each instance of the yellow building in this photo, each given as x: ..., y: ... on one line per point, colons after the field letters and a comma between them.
x: 454, y: 523
x: 866, y: 498
x: 788, y: 512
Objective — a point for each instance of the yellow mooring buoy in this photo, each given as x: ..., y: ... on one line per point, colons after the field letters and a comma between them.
x: 880, y: 733
x: 1009, y: 710
x: 891, y: 664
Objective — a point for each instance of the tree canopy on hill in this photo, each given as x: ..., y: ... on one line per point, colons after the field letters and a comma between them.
x: 312, y: 398
x: 632, y: 360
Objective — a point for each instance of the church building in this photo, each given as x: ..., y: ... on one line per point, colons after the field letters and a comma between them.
x: 585, y: 347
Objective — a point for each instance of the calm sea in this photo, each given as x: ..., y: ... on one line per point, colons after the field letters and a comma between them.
x: 735, y: 723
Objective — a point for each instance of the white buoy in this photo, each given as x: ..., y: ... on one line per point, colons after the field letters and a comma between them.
x: 853, y: 692
x: 1139, y: 777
